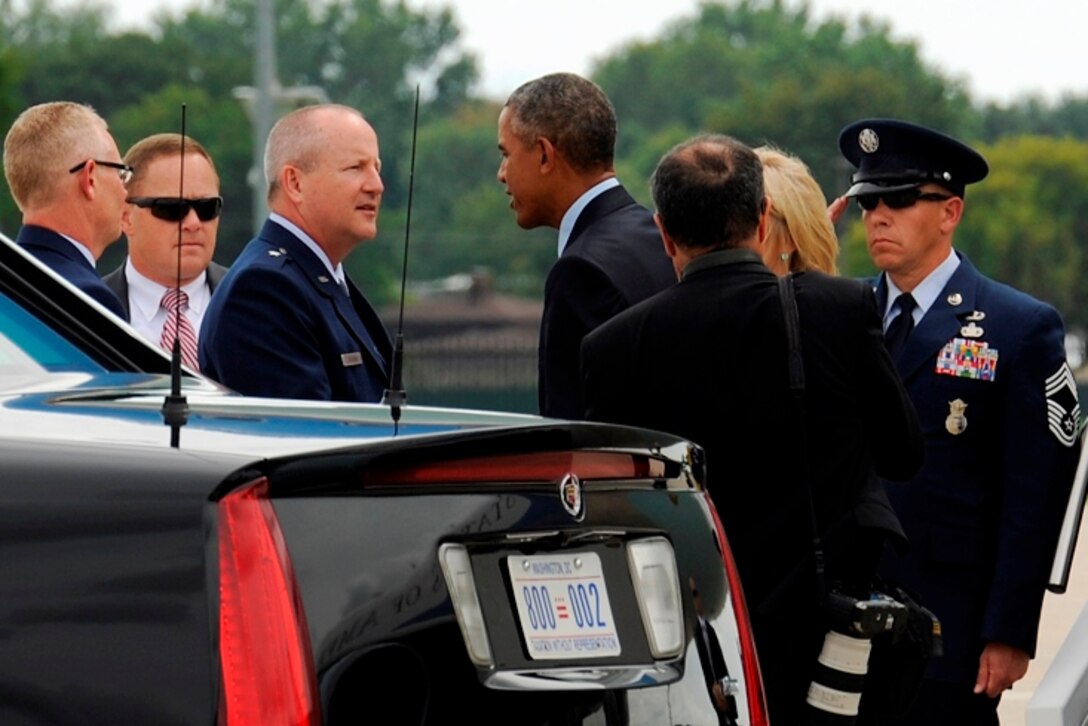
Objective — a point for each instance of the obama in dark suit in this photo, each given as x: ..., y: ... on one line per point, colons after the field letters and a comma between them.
x: 707, y: 359
x: 557, y: 135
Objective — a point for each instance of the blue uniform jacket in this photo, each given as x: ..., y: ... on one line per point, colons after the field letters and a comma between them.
x: 64, y: 259
x: 278, y: 325
x: 986, y: 370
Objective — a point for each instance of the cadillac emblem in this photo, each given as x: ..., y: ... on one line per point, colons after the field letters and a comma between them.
x: 570, y: 493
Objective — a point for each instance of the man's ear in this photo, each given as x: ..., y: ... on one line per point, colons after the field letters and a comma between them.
x: 764, y: 220
x: 291, y: 182
x: 951, y: 214
x: 548, y: 154
x: 126, y: 220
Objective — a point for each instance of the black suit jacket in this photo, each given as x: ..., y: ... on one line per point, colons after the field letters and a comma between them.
x: 59, y: 254
x: 707, y: 360
x: 613, y: 259
x: 117, y: 282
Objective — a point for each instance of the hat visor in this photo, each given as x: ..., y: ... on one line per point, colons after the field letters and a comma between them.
x: 872, y: 187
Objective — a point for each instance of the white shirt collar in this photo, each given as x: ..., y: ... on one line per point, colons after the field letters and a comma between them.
x: 925, y: 293
x: 336, y: 272
x: 566, y: 226
x: 146, y: 314
x: 83, y: 249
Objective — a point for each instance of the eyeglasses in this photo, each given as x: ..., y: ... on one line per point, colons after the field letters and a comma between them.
x: 899, y: 200
x: 123, y: 170
x: 175, y: 209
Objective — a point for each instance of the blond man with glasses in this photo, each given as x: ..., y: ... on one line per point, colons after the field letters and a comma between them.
x: 67, y: 178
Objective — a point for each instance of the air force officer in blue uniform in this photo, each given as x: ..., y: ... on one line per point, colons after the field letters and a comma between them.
x: 286, y: 321
x: 985, y: 367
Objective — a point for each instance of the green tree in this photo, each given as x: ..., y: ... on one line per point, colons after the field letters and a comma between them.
x: 1027, y: 222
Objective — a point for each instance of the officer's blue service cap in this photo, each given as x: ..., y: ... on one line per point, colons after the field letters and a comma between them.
x: 893, y: 155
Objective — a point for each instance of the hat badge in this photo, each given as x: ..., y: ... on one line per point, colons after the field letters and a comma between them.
x: 868, y: 141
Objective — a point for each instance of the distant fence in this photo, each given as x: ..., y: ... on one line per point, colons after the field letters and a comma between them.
x: 493, y: 371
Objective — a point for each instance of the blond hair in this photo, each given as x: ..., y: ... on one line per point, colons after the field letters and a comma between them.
x: 44, y: 143
x: 799, y: 211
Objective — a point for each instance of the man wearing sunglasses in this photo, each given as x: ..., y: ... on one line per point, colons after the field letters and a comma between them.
x: 171, y: 240
x: 66, y: 176
x: 985, y: 367
x: 287, y: 322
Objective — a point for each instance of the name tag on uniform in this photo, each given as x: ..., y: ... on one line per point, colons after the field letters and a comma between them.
x: 351, y: 359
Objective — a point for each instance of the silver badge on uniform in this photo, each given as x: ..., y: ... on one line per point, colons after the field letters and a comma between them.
x: 322, y: 278
x: 955, y: 299
x: 1062, y: 407
x: 971, y: 331
x: 976, y: 316
x: 351, y: 359
x: 956, y: 423
x: 868, y: 141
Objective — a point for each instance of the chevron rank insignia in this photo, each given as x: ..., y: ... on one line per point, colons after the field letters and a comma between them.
x: 1062, y: 408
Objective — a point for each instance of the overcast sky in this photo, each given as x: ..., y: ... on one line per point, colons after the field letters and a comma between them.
x: 1004, y: 49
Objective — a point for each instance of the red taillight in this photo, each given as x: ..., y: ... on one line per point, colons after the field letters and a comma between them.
x: 753, y: 678
x: 546, y: 466
x: 264, y: 642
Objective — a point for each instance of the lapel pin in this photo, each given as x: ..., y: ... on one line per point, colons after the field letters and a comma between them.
x: 955, y: 299
x: 976, y: 315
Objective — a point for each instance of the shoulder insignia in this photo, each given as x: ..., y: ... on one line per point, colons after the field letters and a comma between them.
x: 1062, y: 407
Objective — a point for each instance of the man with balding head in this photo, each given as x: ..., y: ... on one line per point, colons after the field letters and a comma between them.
x: 67, y: 178
x: 286, y: 321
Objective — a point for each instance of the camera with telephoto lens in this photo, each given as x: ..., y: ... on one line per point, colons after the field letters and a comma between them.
x: 835, y: 692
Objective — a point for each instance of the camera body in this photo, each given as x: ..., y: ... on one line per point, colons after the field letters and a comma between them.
x: 834, y: 695
x: 864, y: 618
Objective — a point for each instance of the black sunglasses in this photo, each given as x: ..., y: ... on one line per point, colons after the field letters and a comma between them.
x: 899, y: 200
x: 175, y: 209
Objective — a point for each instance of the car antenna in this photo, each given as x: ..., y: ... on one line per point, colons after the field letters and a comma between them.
x: 395, y: 396
x: 175, y: 409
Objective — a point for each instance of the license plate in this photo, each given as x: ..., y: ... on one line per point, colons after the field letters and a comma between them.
x: 563, y: 606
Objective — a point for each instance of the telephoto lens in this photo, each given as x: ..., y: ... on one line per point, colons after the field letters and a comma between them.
x: 835, y: 692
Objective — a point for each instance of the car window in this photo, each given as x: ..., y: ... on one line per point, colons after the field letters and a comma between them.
x: 28, y: 347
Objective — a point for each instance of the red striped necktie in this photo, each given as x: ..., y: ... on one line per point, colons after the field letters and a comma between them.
x: 175, y: 302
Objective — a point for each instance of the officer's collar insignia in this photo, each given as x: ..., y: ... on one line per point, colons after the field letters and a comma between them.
x: 1062, y: 408
x: 955, y: 299
x: 971, y: 331
x: 322, y: 278
x: 965, y: 358
x: 275, y: 253
x: 868, y: 141
x: 956, y: 422
x: 975, y: 316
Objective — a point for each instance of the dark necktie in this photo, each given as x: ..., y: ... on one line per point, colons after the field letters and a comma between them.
x: 899, y: 329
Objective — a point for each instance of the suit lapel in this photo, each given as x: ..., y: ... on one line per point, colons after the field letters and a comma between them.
x: 602, y: 205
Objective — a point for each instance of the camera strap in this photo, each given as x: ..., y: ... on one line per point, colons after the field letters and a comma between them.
x: 788, y: 298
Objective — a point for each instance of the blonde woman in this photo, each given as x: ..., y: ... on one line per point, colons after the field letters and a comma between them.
x: 800, y: 235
